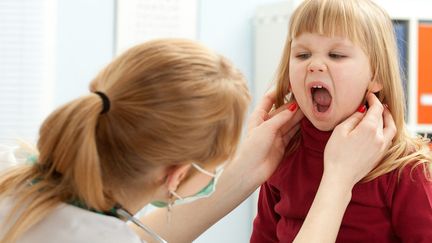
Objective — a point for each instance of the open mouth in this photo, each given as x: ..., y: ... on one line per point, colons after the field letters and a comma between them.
x: 321, y: 98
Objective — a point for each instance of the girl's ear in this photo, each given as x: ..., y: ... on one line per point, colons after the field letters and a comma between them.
x: 375, y: 87
x: 175, y: 175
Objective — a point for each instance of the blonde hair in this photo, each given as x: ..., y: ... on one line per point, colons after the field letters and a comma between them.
x: 370, y: 27
x: 172, y: 102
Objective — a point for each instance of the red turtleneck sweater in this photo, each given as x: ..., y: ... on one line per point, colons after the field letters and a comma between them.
x: 382, y: 210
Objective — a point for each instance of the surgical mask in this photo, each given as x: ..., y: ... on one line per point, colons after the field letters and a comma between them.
x: 207, y: 191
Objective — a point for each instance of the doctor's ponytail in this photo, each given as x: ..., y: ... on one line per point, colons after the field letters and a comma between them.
x: 68, y: 167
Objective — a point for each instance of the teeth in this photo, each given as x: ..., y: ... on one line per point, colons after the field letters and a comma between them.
x: 317, y: 87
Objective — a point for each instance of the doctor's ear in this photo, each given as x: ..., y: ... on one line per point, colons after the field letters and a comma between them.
x: 175, y: 175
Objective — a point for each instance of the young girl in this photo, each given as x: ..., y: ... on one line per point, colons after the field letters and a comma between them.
x: 158, y: 114
x: 337, y: 53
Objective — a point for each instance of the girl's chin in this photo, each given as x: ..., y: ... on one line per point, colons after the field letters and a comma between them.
x: 323, y: 127
x: 322, y: 124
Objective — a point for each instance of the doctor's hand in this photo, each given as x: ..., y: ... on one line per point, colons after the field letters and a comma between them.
x: 358, y: 144
x: 269, y: 132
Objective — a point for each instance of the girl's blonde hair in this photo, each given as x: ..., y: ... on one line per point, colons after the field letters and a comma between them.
x: 370, y: 27
x: 172, y: 102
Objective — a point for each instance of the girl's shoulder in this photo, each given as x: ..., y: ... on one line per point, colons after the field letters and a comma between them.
x: 410, y: 203
x: 412, y: 163
x: 412, y: 181
x: 414, y: 172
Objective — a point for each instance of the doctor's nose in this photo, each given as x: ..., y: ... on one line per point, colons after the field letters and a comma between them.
x: 317, y: 67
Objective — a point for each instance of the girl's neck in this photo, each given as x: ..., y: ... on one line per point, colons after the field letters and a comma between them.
x: 312, y: 138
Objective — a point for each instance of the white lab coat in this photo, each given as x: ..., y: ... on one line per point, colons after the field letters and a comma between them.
x: 67, y: 223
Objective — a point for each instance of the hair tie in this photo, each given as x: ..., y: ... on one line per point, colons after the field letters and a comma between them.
x: 105, y: 102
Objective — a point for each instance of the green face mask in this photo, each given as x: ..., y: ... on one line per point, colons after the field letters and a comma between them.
x: 207, y: 191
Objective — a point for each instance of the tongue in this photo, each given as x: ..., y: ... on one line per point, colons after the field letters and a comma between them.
x: 322, y: 97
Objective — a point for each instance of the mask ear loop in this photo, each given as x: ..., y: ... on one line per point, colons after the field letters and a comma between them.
x: 171, y: 204
x: 202, y: 171
x: 173, y: 193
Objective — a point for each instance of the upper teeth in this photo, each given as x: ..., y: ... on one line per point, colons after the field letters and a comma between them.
x: 317, y: 86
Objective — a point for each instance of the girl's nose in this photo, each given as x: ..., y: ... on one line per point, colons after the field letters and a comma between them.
x: 315, y: 67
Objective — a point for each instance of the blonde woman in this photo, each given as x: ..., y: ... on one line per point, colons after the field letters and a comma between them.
x: 157, y: 126
x: 336, y: 52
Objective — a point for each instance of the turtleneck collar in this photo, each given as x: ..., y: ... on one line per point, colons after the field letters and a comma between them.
x: 312, y: 138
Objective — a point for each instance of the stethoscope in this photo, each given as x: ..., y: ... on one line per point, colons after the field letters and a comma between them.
x: 125, y: 214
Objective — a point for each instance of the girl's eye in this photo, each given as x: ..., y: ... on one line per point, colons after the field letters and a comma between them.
x: 303, y: 56
x: 336, y: 55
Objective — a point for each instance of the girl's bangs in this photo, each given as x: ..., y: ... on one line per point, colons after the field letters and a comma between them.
x: 328, y: 18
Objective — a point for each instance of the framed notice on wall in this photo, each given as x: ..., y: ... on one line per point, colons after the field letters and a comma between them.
x: 141, y: 20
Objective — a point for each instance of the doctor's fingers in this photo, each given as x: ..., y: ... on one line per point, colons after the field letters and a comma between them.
x: 261, y: 111
x: 384, y: 138
x: 374, y: 115
x: 350, y: 123
x: 284, y: 120
x: 389, y: 130
x: 290, y: 134
x: 294, y: 121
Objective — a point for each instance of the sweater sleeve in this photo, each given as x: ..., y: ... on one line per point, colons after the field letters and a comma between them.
x: 264, y: 226
x: 412, y: 206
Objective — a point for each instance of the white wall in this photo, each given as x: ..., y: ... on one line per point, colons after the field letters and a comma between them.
x: 227, y: 27
x: 85, y: 44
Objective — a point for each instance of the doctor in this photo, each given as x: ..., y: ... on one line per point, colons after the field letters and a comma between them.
x: 157, y: 126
